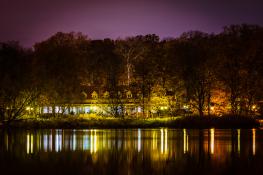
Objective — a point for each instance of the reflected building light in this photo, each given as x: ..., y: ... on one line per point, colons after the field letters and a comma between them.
x: 154, y: 140
x: 254, y: 141
x: 58, y: 141
x: 212, y: 140
x: 238, y: 141
x: 85, y: 142
x: 139, y: 140
x: 74, y: 144
x: 50, y: 142
x: 185, y: 141
x: 104, y: 139
x: 38, y: 138
x: 45, y: 142
x: 165, y: 141
x: 29, y: 144
x: 163, y: 144
x: 93, y: 141
x: 161, y: 140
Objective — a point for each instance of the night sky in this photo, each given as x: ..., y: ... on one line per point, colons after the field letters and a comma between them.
x: 30, y: 21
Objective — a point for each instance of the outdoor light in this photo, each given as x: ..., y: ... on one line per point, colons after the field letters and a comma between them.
x: 94, y: 108
x: 185, y: 107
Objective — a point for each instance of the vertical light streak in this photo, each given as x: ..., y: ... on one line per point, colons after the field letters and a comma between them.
x: 27, y: 143
x: 165, y: 141
x: 212, y: 140
x: 185, y: 141
x: 85, y: 142
x: 254, y: 141
x: 93, y: 141
x: 50, y: 144
x: 104, y: 139
x: 58, y: 138
x: 154, y: 140
x: 161, y: 140
x: 31, y: 143
x: 139, y: 140
x: 238, y: 141
x: 74, y: 145
x: 45, y: 142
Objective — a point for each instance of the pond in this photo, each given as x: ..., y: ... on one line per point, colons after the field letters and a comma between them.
x: 131, y: 151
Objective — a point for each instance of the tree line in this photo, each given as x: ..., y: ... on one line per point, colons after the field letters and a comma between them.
x: 205, y: 73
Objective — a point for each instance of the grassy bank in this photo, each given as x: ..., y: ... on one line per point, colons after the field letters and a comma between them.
x: 92, y: 121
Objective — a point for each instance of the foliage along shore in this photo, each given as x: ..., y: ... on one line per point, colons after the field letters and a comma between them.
x: 86, y: 122
x: 207, y: 74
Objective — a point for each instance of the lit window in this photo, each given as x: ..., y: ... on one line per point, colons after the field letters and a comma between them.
x: 94, y: 95
x: 87, y: 109
x: 45, y: 109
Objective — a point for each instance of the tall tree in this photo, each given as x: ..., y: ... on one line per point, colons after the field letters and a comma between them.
x: 16, y: 92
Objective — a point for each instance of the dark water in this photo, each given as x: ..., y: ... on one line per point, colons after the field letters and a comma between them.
x: 131, y: 151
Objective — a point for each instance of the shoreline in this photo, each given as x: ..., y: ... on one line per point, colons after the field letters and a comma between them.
x: 189, y: 122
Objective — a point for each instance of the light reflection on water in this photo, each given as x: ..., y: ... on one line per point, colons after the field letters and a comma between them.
x: 161, y: 140
x: 154, y: 147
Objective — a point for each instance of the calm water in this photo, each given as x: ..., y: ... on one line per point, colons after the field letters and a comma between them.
x: 131, y: 151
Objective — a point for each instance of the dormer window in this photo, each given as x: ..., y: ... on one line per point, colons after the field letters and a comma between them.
x: 106, y: 94
x: 94, y: 95
x: 129, y: 94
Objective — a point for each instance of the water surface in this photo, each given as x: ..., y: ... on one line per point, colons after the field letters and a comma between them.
x: 131, y: 151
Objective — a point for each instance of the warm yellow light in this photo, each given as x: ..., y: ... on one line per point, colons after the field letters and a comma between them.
x: 185, y: 141
x: 28, y: 108
x: 254, y: 107
x: 254, y: 141
x: 185, y: 107
x: 212, y: 108
x: 212, y: 140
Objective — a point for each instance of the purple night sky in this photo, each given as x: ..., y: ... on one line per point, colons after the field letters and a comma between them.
x: 30, y: 21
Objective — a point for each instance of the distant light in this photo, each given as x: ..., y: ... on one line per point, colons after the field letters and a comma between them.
x: 185, y: 107
x: 29, y: 108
